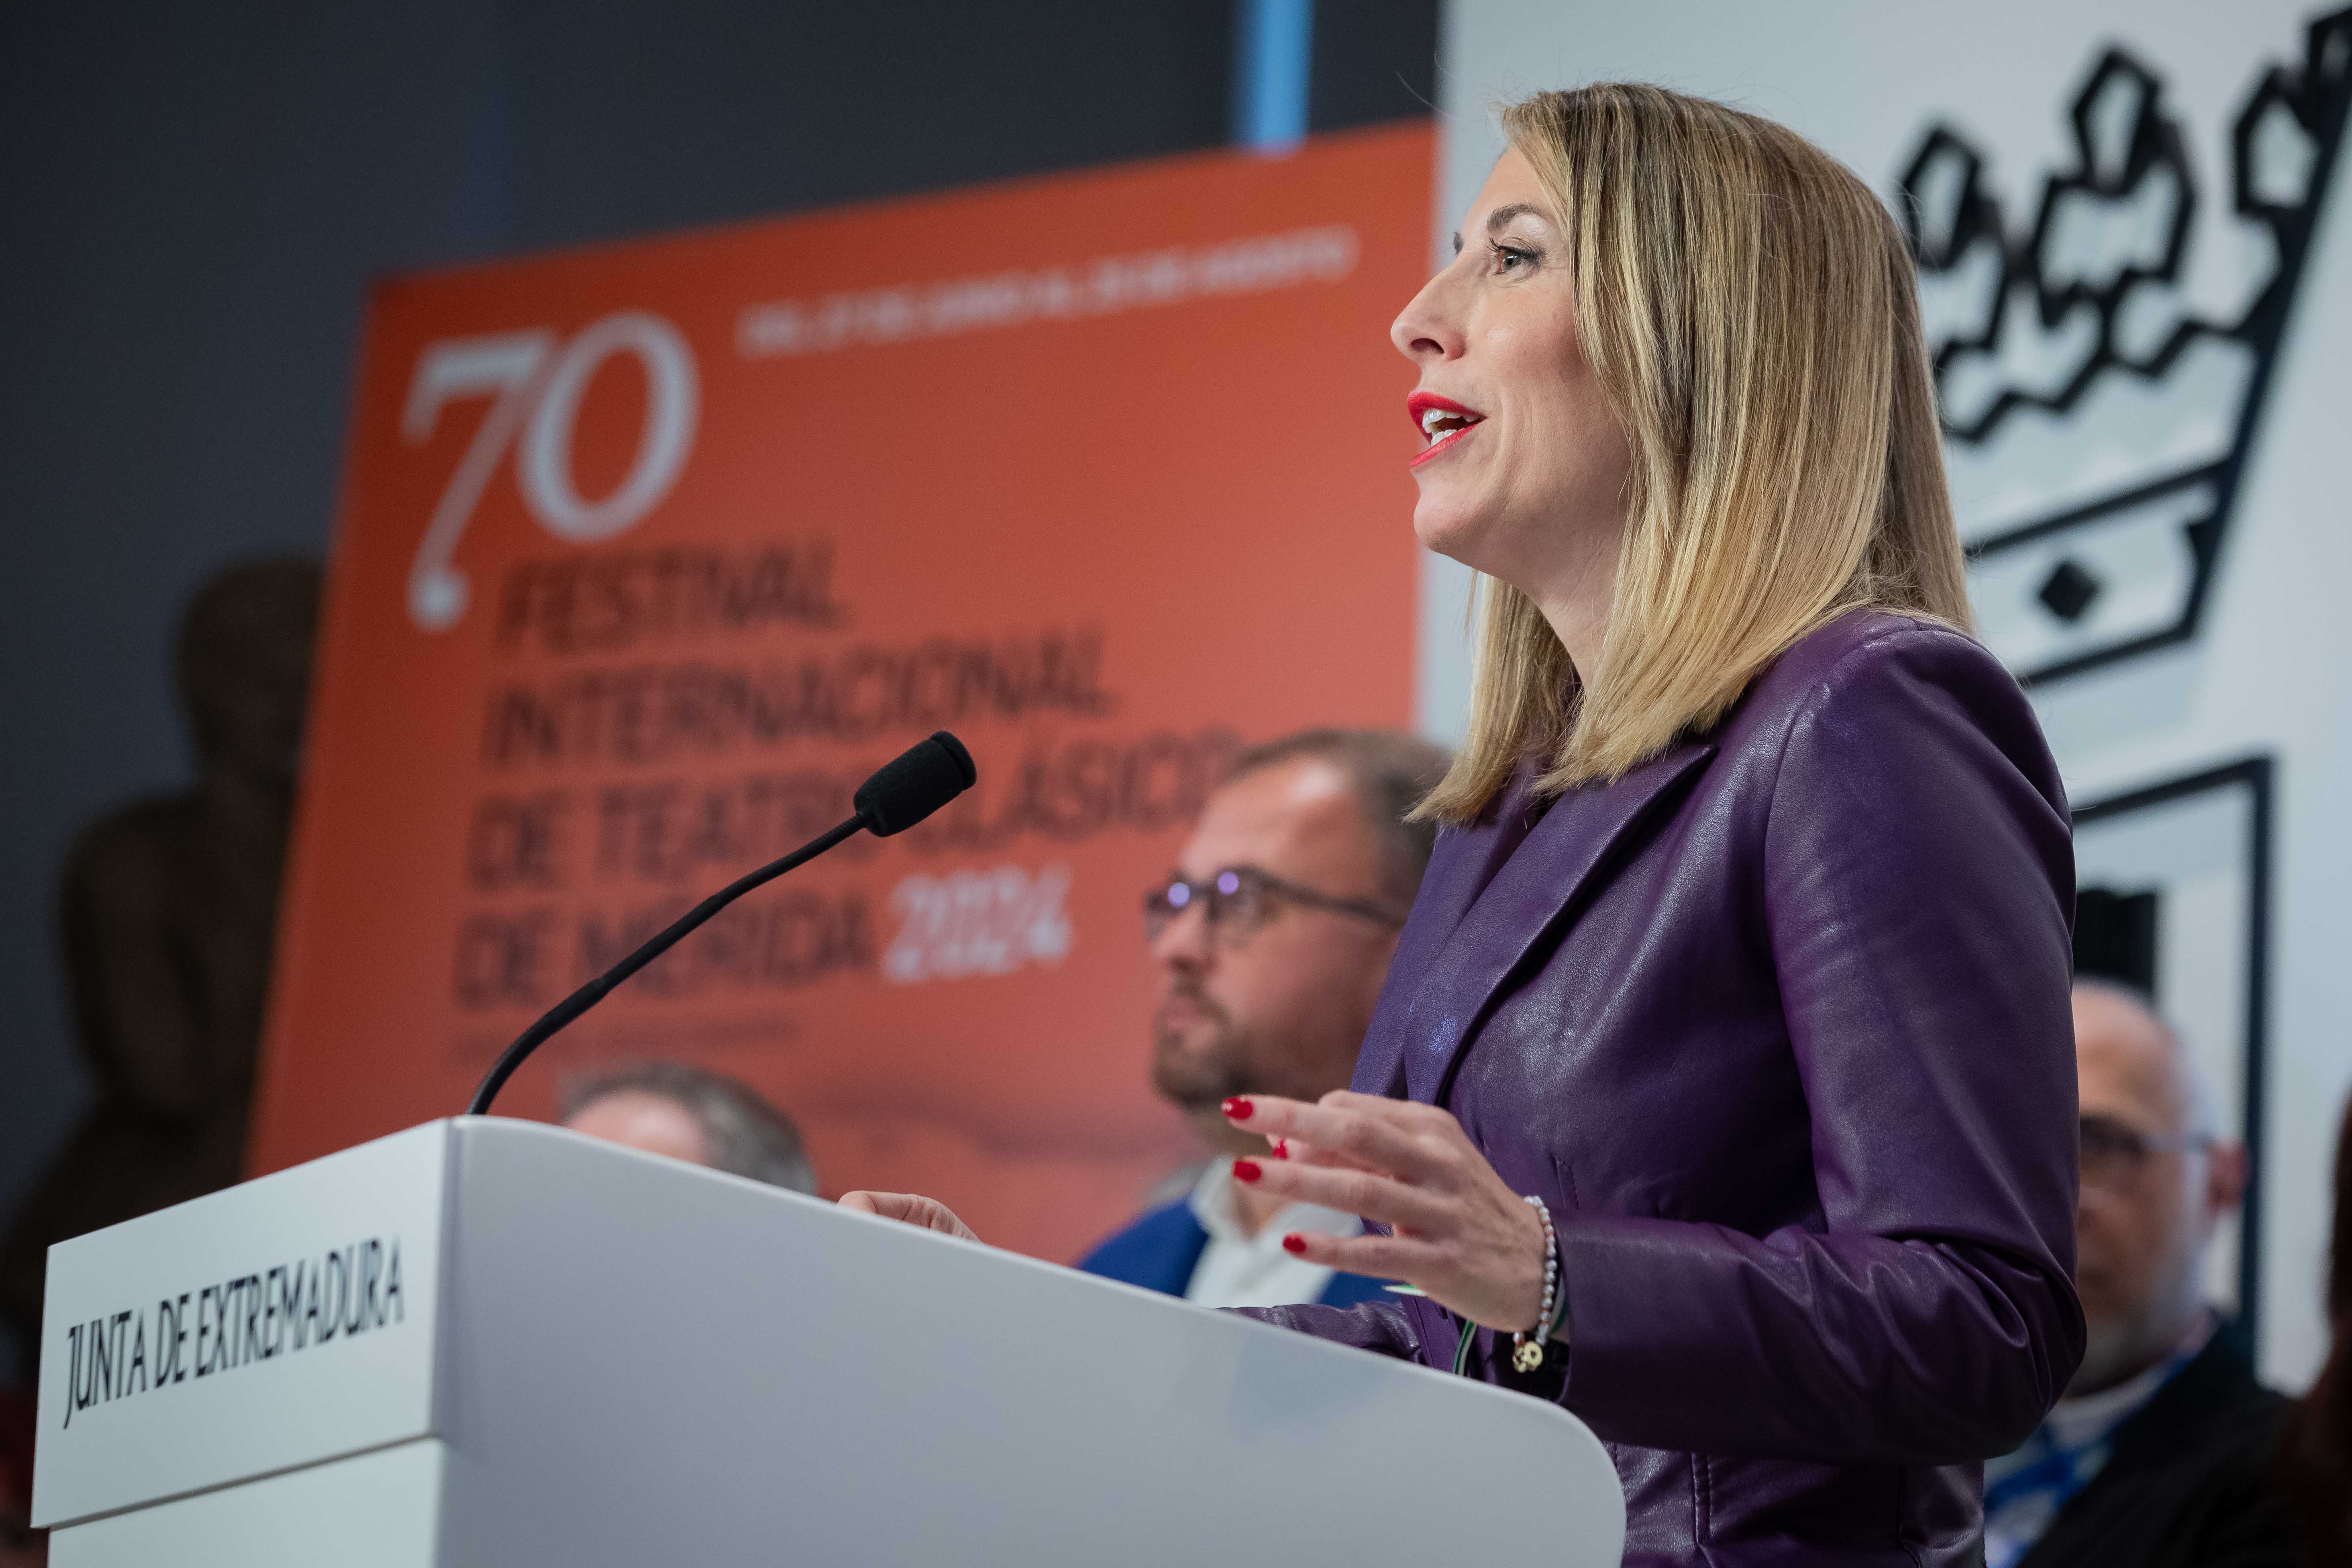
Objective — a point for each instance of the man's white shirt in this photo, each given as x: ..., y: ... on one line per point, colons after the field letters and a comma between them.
x: 1237, y: 1270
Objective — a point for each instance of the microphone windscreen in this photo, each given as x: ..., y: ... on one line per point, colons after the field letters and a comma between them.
x: 919, y: 781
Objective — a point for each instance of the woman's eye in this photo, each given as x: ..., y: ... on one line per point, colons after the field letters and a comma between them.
x: 1511, y: 257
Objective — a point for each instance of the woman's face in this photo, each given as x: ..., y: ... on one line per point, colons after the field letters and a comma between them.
x: 1523, y: 468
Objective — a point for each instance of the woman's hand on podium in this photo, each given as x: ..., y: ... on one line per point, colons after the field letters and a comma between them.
x: 909, y: 1208
x: 1461, y: 1235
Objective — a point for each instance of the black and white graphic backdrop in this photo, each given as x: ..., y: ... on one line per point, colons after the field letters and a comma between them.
x: 2102, y: 364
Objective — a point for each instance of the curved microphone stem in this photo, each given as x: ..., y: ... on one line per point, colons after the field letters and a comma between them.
x: 588, y: 996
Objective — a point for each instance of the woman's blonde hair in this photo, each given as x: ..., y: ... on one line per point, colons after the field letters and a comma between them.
x: 1748, y: 310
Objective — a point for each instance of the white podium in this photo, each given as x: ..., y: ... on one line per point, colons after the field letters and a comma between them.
x: 488, y: 1341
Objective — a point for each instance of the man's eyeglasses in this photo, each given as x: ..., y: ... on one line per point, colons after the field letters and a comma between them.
x: 2114, y: 1153
x: 1238, y: 899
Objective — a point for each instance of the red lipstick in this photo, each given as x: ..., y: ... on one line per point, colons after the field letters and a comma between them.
x: 1440, y: 421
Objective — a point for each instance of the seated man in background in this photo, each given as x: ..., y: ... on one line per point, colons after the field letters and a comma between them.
x: 1271, y: 941
x: 669, y: 1108
x: 2162, y: 1449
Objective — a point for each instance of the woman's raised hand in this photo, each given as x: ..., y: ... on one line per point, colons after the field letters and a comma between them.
x: 1462, y: 1237
x: 909, y: 1208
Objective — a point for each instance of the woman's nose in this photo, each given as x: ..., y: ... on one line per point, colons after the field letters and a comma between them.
x: 1424, y: 329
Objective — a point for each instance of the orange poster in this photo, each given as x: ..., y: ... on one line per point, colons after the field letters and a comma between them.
x: 650, y: 552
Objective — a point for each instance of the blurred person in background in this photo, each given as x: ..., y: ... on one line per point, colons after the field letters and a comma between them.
x: 2160, y: 1451
x: 2318, y: 1467
x: 686, y: 1113
x: 167, y: 912
x: 1271, y: 940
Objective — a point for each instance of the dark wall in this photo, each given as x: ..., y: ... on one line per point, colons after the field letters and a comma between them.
x: 193, y: 197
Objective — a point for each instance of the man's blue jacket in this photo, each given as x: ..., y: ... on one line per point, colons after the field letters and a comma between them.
x: 1161, y: 1250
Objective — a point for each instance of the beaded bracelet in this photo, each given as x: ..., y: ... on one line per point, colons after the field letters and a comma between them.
x: 1556, y: 1326
x: 1527, y: 1355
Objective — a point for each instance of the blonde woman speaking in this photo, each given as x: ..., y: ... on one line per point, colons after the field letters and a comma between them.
x: 1722, y: 1086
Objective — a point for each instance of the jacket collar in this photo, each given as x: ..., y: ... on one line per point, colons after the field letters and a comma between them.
x: 1494, y: 917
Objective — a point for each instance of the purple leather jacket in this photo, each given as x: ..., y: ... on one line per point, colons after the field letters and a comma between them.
x: 1777, y: 1027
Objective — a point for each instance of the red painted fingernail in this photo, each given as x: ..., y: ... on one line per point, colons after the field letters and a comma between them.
x: 1239, y: 1108
x: 1282, y: 1148
x: 1246, y: 1170
x: 1293, y: 1242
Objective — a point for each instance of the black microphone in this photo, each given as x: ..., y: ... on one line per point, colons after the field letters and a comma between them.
x: 902, y: 792
x: 915, y: 784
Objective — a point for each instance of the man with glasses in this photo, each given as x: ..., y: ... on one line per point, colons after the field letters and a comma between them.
x: 1271, y: 938
x: 2160, y: 1451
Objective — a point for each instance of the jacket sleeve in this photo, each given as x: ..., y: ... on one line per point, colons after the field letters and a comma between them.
x: 1381, y: 1327
x: 1918, y: 884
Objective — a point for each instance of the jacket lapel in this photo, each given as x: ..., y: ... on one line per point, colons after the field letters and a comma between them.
x: 1464, y: 861
x: 1533, y: 894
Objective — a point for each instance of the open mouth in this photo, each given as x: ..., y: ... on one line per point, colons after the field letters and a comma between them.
x: 1440, y: 421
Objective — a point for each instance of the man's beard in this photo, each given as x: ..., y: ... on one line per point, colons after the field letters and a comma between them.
x: 2112, y: 1350
x: 1198, y: 1078
x: 2119, y: 1345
